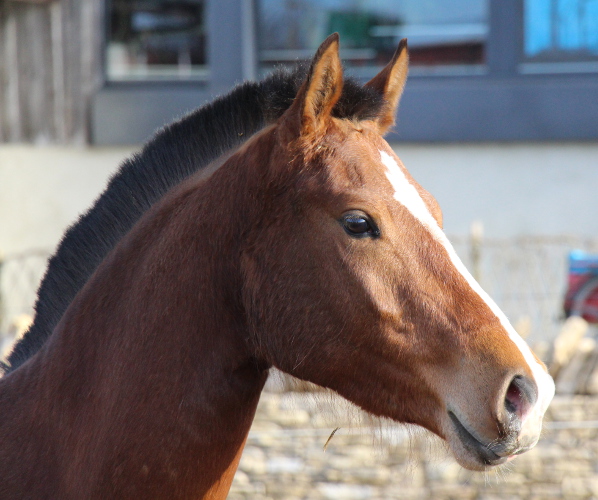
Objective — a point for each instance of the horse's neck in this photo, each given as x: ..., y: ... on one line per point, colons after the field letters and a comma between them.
x: 148, y: 372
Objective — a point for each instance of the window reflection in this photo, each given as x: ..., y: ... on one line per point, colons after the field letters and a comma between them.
x: 561, y: 30
x: 156, y: 39
x: 441, y: 34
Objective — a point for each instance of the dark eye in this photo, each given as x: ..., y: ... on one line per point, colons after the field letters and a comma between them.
x: 359, y: 225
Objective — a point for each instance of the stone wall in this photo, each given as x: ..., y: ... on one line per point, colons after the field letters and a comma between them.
x: 284, y: 456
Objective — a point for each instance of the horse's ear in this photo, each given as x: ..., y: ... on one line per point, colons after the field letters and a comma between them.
x: 309, y: 113
x: 390, y: 83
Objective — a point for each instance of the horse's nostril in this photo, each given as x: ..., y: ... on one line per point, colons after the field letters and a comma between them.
x: 520, y: 397
x: 513, y: 399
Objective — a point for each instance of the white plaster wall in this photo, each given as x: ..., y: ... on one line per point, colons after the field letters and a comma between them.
x: 44, y: 189
x: 514, y: 189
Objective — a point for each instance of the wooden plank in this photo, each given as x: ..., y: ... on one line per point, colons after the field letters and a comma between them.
x: 92, y: 16
x: 24, y: 68
x: 3, y: 74
x: 58, y: 87
x: 12, y: 110
x: 72, y: 66
x: 37, y: 105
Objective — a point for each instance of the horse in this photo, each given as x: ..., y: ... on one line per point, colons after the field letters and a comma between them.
x: 306, y: 246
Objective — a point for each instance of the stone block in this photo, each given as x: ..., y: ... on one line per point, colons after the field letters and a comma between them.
x: 335, y: 491
x: 575, y: 487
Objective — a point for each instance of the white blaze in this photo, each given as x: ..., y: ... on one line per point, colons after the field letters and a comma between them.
x: 408, y: 196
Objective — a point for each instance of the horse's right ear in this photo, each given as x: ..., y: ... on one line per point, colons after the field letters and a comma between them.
x: 309, y: 114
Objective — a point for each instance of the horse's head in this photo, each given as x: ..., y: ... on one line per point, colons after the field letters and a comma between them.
x: 351, y: 283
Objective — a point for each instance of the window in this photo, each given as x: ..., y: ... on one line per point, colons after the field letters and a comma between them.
x: 443, y: 36
x: 481, y: 70
x: 156, y: 40
x: 561, y: 35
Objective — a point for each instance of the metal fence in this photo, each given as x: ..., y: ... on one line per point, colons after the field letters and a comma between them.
x: 526, y: 276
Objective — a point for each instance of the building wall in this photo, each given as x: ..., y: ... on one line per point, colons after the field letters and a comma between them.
x: 513, y: 189
x: 50, y: 68
x: 52, y: 87
x: 44, y: 189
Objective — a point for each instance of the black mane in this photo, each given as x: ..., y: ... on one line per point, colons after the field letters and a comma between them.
x: 174, y: 153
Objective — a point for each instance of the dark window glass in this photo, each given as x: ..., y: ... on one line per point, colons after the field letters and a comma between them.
x: 443, y: 36
x: 156, y: 39
x: 561, y: 35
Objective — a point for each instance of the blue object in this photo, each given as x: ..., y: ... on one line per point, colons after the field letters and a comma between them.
x: 581, y: 262
x: 561, y: 25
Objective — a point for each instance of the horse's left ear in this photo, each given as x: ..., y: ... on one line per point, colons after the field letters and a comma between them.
x: 308, y: 115
x: 390, y: 83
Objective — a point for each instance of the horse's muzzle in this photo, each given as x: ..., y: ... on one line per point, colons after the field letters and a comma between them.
x: 511, y: 438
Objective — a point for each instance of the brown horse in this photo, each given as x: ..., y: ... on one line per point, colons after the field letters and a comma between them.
x: 310, y: 249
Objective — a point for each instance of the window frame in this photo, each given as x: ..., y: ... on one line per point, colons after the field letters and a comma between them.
x: 506, y: 102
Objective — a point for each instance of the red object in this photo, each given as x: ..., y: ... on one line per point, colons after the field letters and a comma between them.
x: 581, y: 298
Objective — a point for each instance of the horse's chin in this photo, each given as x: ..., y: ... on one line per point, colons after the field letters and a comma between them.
x: 471, y: 460
x: 470, y: 452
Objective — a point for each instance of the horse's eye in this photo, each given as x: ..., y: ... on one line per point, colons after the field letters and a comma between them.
x: 358, y: 224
